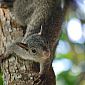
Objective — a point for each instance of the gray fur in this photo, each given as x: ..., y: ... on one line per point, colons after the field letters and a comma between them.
x: 33, y: 14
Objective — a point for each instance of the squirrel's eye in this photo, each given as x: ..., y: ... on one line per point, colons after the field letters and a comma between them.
x: 33, y: 50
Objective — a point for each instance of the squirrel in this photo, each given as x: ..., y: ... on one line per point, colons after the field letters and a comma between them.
x: 35, y: 15
x: 35, y: 49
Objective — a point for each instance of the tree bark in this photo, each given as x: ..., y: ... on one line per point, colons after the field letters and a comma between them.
x: 17, y: 71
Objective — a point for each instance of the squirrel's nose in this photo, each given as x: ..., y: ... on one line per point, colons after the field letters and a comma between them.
x: 22, y: 45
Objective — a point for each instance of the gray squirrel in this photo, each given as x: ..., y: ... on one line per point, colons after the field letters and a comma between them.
x: 34, y: 15
x: 35, y: 49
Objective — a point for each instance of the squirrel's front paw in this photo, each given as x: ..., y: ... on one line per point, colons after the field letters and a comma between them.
x: 39, y: 79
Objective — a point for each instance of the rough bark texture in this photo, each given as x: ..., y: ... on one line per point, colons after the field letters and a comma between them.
x: 17, y: 71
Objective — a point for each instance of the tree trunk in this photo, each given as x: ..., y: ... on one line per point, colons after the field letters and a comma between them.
x: 17, y: 71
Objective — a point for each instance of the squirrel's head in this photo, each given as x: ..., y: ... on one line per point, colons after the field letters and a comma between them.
x: 37, y: 47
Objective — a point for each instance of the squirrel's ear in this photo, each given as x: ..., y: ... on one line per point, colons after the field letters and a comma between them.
x: 40, y: 31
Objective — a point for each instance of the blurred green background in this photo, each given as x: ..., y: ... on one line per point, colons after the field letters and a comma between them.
x: 69, y: 63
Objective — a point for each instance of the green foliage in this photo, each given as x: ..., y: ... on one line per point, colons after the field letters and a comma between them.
x: 1, y: 79
x: 67, y: 77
